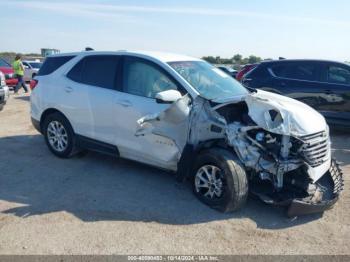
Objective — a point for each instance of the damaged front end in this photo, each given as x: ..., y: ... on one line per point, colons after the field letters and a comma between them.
x: 283, y: 144
x: 281, y: 168
x: 288, y: 162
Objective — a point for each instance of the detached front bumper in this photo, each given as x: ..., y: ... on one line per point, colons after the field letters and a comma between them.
x: 331, y: 185
x: 299, y: 207
x: 328, y: 189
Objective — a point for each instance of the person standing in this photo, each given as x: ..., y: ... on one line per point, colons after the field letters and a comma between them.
x: 18, y: 69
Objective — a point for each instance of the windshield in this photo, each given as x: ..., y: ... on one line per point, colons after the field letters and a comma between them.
x: 35, y: 65
x: 209, y: 81
x: 4, y: 63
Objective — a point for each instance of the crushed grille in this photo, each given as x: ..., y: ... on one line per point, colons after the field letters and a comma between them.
x: 315, y: 149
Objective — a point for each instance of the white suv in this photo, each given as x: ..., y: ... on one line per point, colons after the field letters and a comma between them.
x: 182, y: 114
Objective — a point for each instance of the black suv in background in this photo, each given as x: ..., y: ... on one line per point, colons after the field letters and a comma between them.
x: 324, y: 85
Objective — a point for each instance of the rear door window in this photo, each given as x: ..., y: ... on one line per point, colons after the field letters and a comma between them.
x: 299, y: 71
x: 51, y: 64
x: 99, y: 70
x: 338, y: 74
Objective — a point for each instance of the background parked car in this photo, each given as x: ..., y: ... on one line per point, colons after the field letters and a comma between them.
x: 31, y: 69
x: 245, y: 69
x: 228, y: 70
x: 4, y: 91
x: 324, y: 85
x: 4, y: 86
x: 6, y: 68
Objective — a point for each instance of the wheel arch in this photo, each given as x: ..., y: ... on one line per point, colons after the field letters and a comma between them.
x: 50, y: 111
x: 190, y: 152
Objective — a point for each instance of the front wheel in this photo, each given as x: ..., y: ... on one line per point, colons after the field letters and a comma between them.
x: 219, y: 180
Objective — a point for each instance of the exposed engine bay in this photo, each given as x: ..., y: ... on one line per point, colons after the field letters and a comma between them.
x: 283, y: 145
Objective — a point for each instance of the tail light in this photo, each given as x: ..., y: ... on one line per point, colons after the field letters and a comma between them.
x: 33, y: 83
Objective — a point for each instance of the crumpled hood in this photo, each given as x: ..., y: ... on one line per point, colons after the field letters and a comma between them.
x: 283, y: 115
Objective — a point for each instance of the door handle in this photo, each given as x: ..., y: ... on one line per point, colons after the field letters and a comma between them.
x: 68, y: 89
x: 125, y: 103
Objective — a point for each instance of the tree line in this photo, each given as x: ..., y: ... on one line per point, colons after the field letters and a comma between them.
x: 237, y: 59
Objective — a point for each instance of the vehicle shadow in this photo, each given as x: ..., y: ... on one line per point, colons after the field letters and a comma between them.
x: 23, y: 98
x: 96, y: 187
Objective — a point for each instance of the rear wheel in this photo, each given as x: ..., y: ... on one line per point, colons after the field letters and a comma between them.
x: 59, y: 135
x: 219, y: 180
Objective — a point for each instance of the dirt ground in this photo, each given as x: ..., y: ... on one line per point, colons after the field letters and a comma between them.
x: 96, y: 204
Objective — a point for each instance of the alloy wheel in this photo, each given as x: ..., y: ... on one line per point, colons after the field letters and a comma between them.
x: 57, y: 136
x: 209, y: 181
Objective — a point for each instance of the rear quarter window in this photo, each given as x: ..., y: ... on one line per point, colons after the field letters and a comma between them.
x: 51, y: 64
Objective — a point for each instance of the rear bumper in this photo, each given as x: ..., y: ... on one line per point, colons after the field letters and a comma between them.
x: 11, y: 82
x: 36, y: 124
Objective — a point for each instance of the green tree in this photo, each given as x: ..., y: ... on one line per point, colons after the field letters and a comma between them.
x: 209, y: 59
x: 237, y: 58
x: 245, y: 61
x: 252, y: 59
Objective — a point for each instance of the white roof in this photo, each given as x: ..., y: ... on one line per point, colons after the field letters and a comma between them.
x: 161, y: 56
x: 165, y: 57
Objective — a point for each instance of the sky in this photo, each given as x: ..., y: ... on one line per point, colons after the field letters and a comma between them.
x: 266, y: 28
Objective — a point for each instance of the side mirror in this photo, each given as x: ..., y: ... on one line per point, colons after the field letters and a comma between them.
x: 26, y: 67
x: 168, y: 96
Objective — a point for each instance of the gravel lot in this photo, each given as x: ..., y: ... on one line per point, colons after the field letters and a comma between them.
x: 96, y: 204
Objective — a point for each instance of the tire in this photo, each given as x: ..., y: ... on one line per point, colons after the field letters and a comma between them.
x: 227, y: 169
x: 65, y: 135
